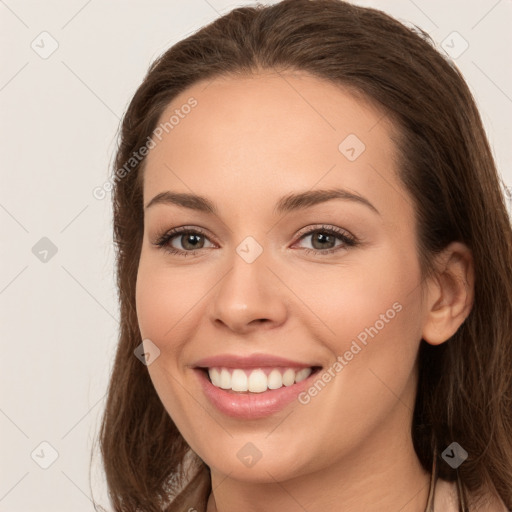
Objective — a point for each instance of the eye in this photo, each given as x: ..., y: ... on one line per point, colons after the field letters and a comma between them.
x: 324, y: 239
x: 192, y: 240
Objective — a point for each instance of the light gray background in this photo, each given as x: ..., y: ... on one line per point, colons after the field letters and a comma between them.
x: 59, y: 121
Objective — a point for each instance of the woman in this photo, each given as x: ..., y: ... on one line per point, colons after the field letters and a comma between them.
x: 315, y: 275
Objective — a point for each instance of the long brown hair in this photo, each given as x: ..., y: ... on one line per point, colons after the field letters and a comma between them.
x: 465, y: 385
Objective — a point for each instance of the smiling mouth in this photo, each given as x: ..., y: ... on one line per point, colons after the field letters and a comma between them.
x: 257, y: 380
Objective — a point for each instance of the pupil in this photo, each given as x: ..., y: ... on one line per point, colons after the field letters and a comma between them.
x: 323, y: 238
x: 189, y: 239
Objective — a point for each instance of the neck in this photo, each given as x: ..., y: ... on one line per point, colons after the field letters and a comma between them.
x: 381, y: 473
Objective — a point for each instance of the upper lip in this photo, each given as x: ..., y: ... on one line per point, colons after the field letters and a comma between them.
x: 251, y: 361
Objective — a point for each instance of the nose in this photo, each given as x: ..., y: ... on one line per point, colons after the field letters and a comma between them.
x: 249, y: 296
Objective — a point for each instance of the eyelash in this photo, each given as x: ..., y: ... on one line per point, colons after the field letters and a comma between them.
x: 163, y: 241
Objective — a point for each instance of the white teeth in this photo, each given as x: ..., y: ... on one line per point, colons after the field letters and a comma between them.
x: 275, y: 380
x: 302, y: 374
x: 215, y: 377
x: 256, y: 381
x: 289, y: 377
x: 239, y: 381
x: 225, y: 379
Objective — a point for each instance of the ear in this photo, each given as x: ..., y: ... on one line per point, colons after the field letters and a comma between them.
x: 450, y: 294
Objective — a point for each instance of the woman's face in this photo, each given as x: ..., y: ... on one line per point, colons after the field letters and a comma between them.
x: 271, y: 276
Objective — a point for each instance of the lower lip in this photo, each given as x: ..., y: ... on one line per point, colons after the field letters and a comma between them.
x: 250, y: 406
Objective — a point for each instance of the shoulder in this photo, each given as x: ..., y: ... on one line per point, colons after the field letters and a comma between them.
x: 445, y: 497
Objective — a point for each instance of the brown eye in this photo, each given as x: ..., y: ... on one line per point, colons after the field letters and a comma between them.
x: 190, y: 240
x: 323, y: 240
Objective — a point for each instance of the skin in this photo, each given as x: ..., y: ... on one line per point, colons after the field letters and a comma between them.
x: 248, y: 142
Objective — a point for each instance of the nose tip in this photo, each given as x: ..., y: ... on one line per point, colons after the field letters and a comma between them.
x: 242, y: 319
x: 248, y: 296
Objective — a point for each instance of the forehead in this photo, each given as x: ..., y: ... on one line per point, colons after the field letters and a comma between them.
x: 272, y: 131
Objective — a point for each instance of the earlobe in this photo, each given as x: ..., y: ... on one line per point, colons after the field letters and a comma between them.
x: 450, y: 294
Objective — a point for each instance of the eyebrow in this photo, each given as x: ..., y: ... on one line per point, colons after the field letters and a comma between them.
x: 289, y: 203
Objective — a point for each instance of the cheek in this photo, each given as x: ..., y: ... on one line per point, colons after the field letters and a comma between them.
x: 371, y: 319
x: 152, y: 302
x: 164, y: 300
x: 374, y: 348
x: 364, y: 299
